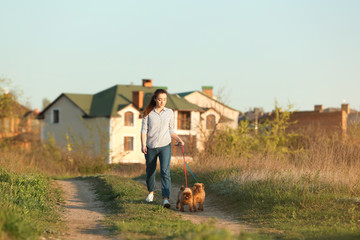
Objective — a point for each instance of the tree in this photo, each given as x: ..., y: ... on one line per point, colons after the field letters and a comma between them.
x: 6, y: 98
x: 45, y: 103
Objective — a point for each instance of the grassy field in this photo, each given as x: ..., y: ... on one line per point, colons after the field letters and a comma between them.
x: 289, y: 186
x: 292, y: 186
x: 288, y: 208
x: 29, y: 198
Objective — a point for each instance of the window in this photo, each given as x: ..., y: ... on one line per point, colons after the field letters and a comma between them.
x: 129, y: 119
x: 55, y: 116
x: 128, y: 143
x: 184, y: 120
x: 210, y: 121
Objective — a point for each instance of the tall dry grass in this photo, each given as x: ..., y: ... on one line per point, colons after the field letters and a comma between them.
x: 324, y: 158
x: 47, y: 158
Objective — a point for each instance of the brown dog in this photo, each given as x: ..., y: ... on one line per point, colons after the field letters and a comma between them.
x: 199, y: 196
x: 185, y: 197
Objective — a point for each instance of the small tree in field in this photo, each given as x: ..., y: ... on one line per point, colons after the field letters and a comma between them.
x: 6, y: 98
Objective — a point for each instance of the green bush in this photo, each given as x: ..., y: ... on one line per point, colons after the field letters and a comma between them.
x: 270, y: 138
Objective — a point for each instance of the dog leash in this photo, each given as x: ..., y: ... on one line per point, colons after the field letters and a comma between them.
x: 186, y: 165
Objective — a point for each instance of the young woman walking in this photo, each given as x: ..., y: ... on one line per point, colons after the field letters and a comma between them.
x: 156, y: 133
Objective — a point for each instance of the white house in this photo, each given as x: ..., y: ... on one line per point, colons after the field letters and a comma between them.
x: 109, y: 122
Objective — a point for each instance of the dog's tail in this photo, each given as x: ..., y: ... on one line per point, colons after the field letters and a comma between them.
x: 182, y: 188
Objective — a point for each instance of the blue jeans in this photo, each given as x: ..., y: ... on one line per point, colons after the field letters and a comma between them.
x: 164, y: 154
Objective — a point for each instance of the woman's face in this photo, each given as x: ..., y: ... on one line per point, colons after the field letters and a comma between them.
x: 161, y: 100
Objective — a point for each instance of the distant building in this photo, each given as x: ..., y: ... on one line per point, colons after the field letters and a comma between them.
x: 329, y: 121
x: 19, y: 126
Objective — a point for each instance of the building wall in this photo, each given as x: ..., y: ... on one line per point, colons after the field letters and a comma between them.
x: 119, y: 132
x: 205, y: 102
x: 190, y: 137
x: 327, y: 122
x: 86, y: 134
x: 204, y: 133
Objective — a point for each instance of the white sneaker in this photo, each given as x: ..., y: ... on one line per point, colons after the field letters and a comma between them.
x: 150, y: 197
x: 166, y: 203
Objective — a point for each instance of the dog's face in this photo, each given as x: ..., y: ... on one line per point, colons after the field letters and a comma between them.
x: 187, y: 195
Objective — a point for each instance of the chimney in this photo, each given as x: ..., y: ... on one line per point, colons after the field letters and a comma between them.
x: 138, y: 98
x: 147, y: 83
x: 345, y: 107
x: 318, y: 108
x: 208, y: 90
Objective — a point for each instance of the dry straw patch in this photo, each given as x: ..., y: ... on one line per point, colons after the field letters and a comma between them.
x: 330, y: 159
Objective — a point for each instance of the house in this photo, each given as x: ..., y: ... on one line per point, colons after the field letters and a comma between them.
x: 215, y: 114
x: 18, y: 124
x: 109, y: 122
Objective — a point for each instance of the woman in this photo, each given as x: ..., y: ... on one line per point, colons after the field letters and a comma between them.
x: 156, y: 133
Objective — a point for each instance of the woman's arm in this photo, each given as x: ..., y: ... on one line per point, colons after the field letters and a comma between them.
x: 143, y: 143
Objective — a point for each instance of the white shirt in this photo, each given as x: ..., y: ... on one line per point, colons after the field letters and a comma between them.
x: 158, y: 127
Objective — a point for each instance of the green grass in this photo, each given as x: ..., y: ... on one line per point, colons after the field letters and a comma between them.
x: 133, y: 218
x: 288, y: 207
x: 27, y: 206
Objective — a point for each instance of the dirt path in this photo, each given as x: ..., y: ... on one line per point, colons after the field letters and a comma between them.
x: 83, y: 213
x: 212, y: 211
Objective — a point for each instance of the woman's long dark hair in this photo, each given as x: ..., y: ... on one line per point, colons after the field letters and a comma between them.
x: 152, y: 102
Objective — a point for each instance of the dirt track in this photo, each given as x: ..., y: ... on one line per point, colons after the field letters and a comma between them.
x: 211, y: 212
x: 84, y: 214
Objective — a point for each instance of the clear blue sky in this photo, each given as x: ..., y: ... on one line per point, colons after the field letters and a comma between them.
x: 300, y: 52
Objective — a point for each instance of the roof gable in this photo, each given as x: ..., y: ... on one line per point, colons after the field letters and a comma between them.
x: 82, y: 101
x: 207, y: 96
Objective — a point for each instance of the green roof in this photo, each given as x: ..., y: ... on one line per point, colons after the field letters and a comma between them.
x: 184, y: 94
x: 83, y: 101
x: 109, y: 101
x: 176, y: 102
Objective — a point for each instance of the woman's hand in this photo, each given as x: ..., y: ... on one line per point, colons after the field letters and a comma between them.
x: 144, y: 149
x: 181, y: 142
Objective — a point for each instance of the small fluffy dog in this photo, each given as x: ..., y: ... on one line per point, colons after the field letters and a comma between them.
x: 185, y: 197
x: 199, y: 196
